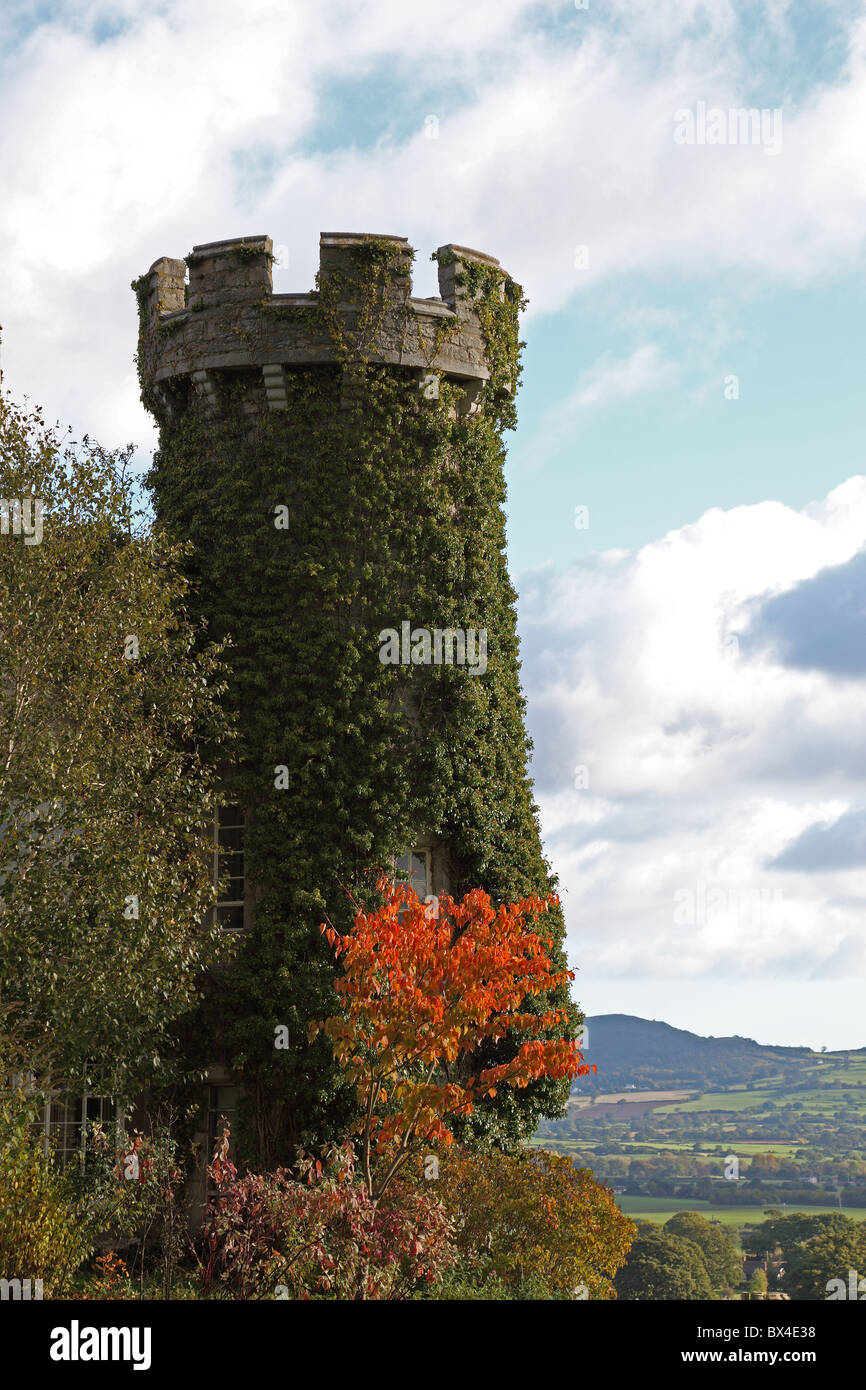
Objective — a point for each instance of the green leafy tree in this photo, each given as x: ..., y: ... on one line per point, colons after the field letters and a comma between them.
x: 663, y: 1267
x: 721, y: 1257
x: 109, y: 724
x: 788, y: 1233
x: 534, y: 1218
x: 758, y: 1283
x: 821, y: 1267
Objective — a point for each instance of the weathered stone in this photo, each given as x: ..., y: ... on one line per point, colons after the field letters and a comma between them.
x: 233, y: 320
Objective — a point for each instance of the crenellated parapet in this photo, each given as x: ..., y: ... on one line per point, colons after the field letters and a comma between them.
x: 227, y: 321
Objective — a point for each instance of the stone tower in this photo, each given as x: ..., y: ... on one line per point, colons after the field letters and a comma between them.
x: 336, y: 460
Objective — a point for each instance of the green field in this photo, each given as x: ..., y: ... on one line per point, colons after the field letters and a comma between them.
x: 744, y: 1148
x: 783, y: 1148
x: 721, y: 1100
x: 660, y: 1208
x: 834, y: 1102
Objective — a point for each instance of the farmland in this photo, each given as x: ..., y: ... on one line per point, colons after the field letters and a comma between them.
x: 721, y: 1125
x: 658, y: 1209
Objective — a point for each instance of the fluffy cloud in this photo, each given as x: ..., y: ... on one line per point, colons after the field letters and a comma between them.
x: 837, y: 844
x: 690, y: 778
x: 819, y: 624
x: 130, y: 131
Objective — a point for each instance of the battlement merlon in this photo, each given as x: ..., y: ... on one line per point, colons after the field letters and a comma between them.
x: 342, y: 254
x: 164, y: 289
x: 228, y: 318
x: 230, y: 272
x: 452, y: 264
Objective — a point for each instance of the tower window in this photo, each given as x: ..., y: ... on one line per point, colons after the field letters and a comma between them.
x: 222, y: 1105
x: 228, y: 865
x: 414, y: 869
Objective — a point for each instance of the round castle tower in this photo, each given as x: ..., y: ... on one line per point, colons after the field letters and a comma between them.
x: 336, y: 460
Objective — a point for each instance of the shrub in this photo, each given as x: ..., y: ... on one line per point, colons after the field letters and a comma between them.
x: 132, y: 1193
x: 39, y: 1235
x: 319, y: 1233
x: 542, y: 1227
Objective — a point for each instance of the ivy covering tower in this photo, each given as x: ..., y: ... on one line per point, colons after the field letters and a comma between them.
x: 336, y: 460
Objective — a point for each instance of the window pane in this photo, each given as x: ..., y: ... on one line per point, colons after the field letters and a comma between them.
x: 232, y: 918
x: 230, y: 867
x: 231, y: 864
x: 222, y: 1101
x: 412, y: 869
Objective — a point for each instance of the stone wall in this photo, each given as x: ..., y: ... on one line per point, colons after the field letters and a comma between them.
x: 228, y: 319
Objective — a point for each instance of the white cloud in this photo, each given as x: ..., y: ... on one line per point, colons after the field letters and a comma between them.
x: 706, y: 759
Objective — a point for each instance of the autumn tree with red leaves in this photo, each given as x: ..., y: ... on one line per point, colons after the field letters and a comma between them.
x: 422, y: 989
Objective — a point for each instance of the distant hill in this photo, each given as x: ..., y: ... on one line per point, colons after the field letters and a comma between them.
x: 640, y: 1052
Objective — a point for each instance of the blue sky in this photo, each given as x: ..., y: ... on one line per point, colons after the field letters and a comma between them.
x: 657, y: 459
x: 692, y: 657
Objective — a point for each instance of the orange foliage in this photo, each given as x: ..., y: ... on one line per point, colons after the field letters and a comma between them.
x: 420, y: 993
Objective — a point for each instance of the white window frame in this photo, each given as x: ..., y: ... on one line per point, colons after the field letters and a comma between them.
x: 229, y: 902
x: 65, y: 1129
x: 427, y: 855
